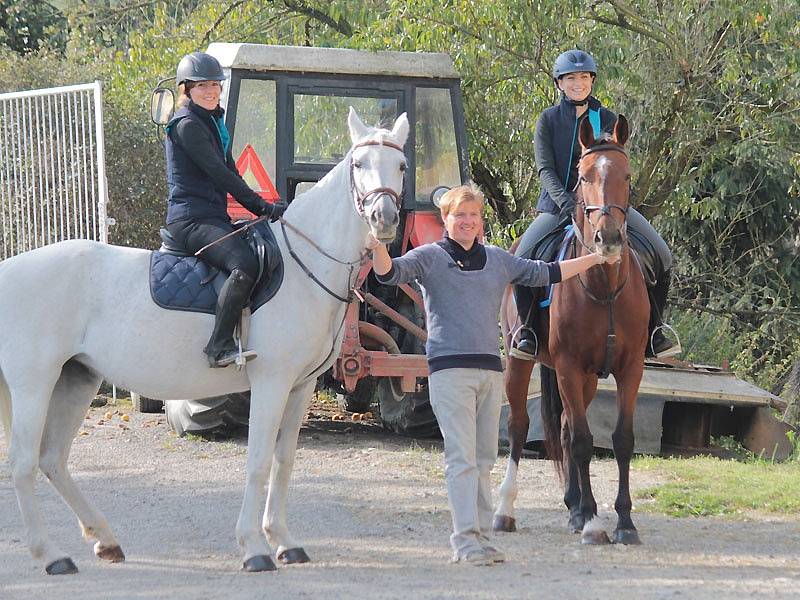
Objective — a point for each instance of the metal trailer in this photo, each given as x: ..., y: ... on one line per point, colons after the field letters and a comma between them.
x: 286, y: 110
x: 680, y: 407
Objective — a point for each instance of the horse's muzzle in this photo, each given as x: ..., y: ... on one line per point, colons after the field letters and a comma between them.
x: 383, y: 218
x: 608, y: 241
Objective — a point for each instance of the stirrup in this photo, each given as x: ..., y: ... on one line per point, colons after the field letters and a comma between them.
x: 235, y: 356
x: 672, y: 350
x: 521, y: 354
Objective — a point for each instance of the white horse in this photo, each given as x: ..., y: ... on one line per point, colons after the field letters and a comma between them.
x: 77, y: 312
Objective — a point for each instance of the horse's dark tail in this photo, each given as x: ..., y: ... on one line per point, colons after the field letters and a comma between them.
x: 551, y: 414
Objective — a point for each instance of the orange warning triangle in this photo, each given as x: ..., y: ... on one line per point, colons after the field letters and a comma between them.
x: 250, y: 167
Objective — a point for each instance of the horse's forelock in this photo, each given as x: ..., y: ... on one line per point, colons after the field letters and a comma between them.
x: 603, y: 138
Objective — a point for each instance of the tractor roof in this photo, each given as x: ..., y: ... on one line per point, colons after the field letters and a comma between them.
x: 260, y: 57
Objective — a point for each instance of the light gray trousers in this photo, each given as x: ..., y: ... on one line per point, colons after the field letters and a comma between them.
x: 466, y: 403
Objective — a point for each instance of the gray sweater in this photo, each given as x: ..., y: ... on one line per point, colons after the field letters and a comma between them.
x: 462, y: 306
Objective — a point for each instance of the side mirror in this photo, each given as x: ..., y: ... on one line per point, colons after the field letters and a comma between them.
x: 162, y: 105
x: 437, y: 193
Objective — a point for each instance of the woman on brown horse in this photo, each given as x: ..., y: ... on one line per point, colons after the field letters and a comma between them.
x: 557, y: 153
x: 597, y: 324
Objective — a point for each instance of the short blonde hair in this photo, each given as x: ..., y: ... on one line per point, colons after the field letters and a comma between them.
x: 455, y: 197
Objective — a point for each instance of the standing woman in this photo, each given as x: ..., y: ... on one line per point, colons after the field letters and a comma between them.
x: 557, y: 155
x: 200, y: 174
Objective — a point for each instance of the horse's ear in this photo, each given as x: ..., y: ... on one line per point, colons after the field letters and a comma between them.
x: 358, y: 130
x: 586, y: 134
x: 621, y: 130
x: 400, y: 129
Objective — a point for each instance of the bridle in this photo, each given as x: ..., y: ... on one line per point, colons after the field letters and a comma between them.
x: 612, y: 294
x: 605, y: 209
x: 361, y: 198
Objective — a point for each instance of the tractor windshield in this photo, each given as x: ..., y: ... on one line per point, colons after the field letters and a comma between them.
x: 321, y: 135
x: 436, y: 146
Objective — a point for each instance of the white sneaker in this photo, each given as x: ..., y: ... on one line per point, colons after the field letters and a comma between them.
x: 493, y: 553
x: 477, y: 558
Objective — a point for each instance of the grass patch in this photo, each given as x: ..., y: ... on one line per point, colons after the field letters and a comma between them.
x: 708, y: 486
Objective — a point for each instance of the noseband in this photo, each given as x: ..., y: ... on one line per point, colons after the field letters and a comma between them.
x: 362, y: 197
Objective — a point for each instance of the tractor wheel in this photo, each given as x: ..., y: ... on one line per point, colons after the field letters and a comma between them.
x: 407, y: 414
x: 220, y: 414
x: 146, y: 405
x: 360, y: 399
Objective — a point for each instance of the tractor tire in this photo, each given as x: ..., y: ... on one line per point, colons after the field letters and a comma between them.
x: 408, y: 414
x: 146, y: 405
x: 220, y: 414
x: 360, y: 400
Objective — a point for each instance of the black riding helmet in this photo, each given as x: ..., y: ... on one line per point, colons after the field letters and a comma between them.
x: 573, y: 61
x: 199, y: 66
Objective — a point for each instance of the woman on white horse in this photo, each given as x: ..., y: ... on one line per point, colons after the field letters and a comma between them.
x: 201, y: 173
x: 557, y: 153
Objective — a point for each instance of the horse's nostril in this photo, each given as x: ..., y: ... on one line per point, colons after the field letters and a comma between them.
x: 395, y: 219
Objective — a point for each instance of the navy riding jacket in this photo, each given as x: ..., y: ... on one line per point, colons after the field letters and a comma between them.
x: 558, y: 150
x: 201, y: 170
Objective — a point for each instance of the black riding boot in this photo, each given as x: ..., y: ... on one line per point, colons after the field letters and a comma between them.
x: 526, y: 344
x: 222, y: 349
x: 658, y: 345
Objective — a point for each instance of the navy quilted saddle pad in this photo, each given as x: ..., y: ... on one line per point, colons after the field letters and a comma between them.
x: 181, y: 282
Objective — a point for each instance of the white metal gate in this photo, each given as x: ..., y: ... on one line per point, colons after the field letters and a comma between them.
x: 52, y: 167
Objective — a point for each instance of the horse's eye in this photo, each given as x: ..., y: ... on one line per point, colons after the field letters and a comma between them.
x: 403, y: 166
x: 357, y: 164
x: 583, y: 179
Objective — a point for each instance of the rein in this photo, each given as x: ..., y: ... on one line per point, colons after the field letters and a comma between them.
x: 307, y: 271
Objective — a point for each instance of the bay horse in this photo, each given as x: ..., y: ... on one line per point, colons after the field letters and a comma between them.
x: 77, y: 312
x: 597, y: 323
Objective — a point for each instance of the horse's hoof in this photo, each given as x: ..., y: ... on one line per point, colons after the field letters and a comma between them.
x: 112, y: 554
x: 504, y: 523
x: 576, y: 524
x: 629, y: 537
x: 293, y: 556
x: 596, y: 537
x: 62, y: 566
x: 257, y: 564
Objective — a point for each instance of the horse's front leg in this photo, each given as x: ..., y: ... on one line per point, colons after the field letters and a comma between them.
x: 288, y: 551
x: 267, y: 403
x: 573, y: 388
x: 623, y: 440
x: 572, y: 488
x: 518, y: 376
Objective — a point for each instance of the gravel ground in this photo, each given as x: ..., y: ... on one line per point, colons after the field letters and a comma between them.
x: 372, y: 512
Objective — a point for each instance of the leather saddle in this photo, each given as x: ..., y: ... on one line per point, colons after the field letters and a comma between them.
x: 181, y: 281
x: 555, y: 246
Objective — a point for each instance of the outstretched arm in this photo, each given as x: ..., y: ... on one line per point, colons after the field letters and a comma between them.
x: 576, y: 266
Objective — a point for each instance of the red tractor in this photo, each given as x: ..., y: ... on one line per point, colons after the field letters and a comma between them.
x: 286, y: 109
